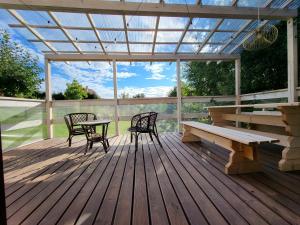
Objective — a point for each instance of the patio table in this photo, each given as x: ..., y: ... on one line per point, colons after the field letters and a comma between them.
x: 94, y: 137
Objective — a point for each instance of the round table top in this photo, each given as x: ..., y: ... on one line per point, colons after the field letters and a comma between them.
x: 95, y: 122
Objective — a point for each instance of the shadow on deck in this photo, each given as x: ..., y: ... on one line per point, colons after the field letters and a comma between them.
x: 50, y: 183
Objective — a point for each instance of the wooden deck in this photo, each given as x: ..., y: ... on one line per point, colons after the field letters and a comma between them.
x: 50, y: 183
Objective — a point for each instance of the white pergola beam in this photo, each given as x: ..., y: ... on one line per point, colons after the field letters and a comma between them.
x: 49, y: 110
x: 179, y: 98
x: 117, y: 131
x: 149, y: 9
x: 91, y: 21
x: 140, y: 57
x: 292, y: 52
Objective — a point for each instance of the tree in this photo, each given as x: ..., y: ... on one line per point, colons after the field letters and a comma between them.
x: 124, y: 95
x: 185, y: 90
x: 139, y: 95
x: 75, y: 90
x: 19, y: 70
x: 58, y: 96
x: 261, y: 70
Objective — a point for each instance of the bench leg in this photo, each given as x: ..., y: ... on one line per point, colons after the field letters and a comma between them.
x: 243, y: 159
x: 188, y: 136
x: 290, y: 157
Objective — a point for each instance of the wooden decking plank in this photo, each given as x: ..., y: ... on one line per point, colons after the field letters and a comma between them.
x: 124, y: 204
x: 157, y: 208
x: 51, y: 210
x: 175, y: 211
x: 29, y: 191
x: 106, y: 212
x: 264, y: 199
x: 228, y: 192
x: 22, y: 178
x: 258, y: 206
x: 47, y: 171
x: 92, y: 207
x: 288, y: 203
x: 72, y: 212
x: 34, y: 169
x: 70, y: 174
x: 140, y: 197
x: 190, y: 176
x: 37, y: 151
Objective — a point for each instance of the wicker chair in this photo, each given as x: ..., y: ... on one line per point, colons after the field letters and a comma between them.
x: 144, y: 123
x: 72, y: 121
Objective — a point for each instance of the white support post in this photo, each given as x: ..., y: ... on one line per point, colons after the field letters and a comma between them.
x: 117, y: 131
x: 179, y: 117
x: 237, y: 86
x: 49, y: 110
x: 292, y: 52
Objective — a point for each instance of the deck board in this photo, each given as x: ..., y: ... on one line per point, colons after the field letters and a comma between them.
x: 182, y: 183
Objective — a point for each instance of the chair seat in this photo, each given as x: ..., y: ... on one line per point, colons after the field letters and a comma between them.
x: 78, y: 130
x: 139, y: 129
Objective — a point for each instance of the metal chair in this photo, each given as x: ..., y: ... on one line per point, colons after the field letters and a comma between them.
x: 72, y: 121
x: 144, y: 123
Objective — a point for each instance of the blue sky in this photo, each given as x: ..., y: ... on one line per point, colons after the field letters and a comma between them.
x: 154, y: 80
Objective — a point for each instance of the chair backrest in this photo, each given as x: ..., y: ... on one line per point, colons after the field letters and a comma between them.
x: 75, y: 118
x: 145, y: 120
x: 152, y: 119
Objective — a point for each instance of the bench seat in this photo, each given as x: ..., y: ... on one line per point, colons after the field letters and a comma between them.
x: 243, y: 145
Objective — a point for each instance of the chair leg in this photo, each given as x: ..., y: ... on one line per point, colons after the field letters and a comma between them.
x: 136, y: 142
x: 91, y: 144
x: 87, y: 147
x: 157, y: 138
x: 104, y: 146
x: 70, y: 141
x: 107, y: 143
x: 131, y: 137
x: 151, y: 136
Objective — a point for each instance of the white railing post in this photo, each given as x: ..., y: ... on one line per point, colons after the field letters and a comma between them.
x: 179, y: 117
x: 49, y: 110
x: 237, y: 86
x: 292, y: 52
x: 117, y: 131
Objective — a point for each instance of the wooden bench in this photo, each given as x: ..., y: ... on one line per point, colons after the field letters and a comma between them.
x: 243, y: 146
x: 276, y: 120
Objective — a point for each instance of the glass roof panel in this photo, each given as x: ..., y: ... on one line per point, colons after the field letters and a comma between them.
x: 51, y: 34
x: 188, y: 48
x: 209, y: 48
x: 72, y: 19
x: 41, y: 46
x: 140, y: 36
x: 140, y: 47
x: 112, y: 35
x: 115, y: 47
x: 64, y: 47
x: 232, y: 24
x: 140, y: 22
x: 144, y: 1
x: 36, y: 17
x: 83, y: 35
x: 193, y: 36
x: 221, y: 37
x: 203, y: 23
x: 252, y: 3
x: 25, y: 33
x: 89, y: 47
x: 168, y: 36
x: 7, y: 18
x: 165, y: 48
x: 108, y: 21
x: 191, y: 2
x: 217, y: 2
x: 295, y: 4
x: 173, y: 22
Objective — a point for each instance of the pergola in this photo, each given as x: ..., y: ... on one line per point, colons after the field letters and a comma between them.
x: 154, y: 30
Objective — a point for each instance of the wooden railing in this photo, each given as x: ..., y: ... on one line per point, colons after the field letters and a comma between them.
x: 18, y: 114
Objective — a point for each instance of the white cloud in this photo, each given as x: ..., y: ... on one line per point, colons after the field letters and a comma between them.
x: 157, y: 91
x: 156, y: 70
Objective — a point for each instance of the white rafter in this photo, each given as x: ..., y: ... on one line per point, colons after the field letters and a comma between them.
x: 32, y: 30
x: 95, y: 31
